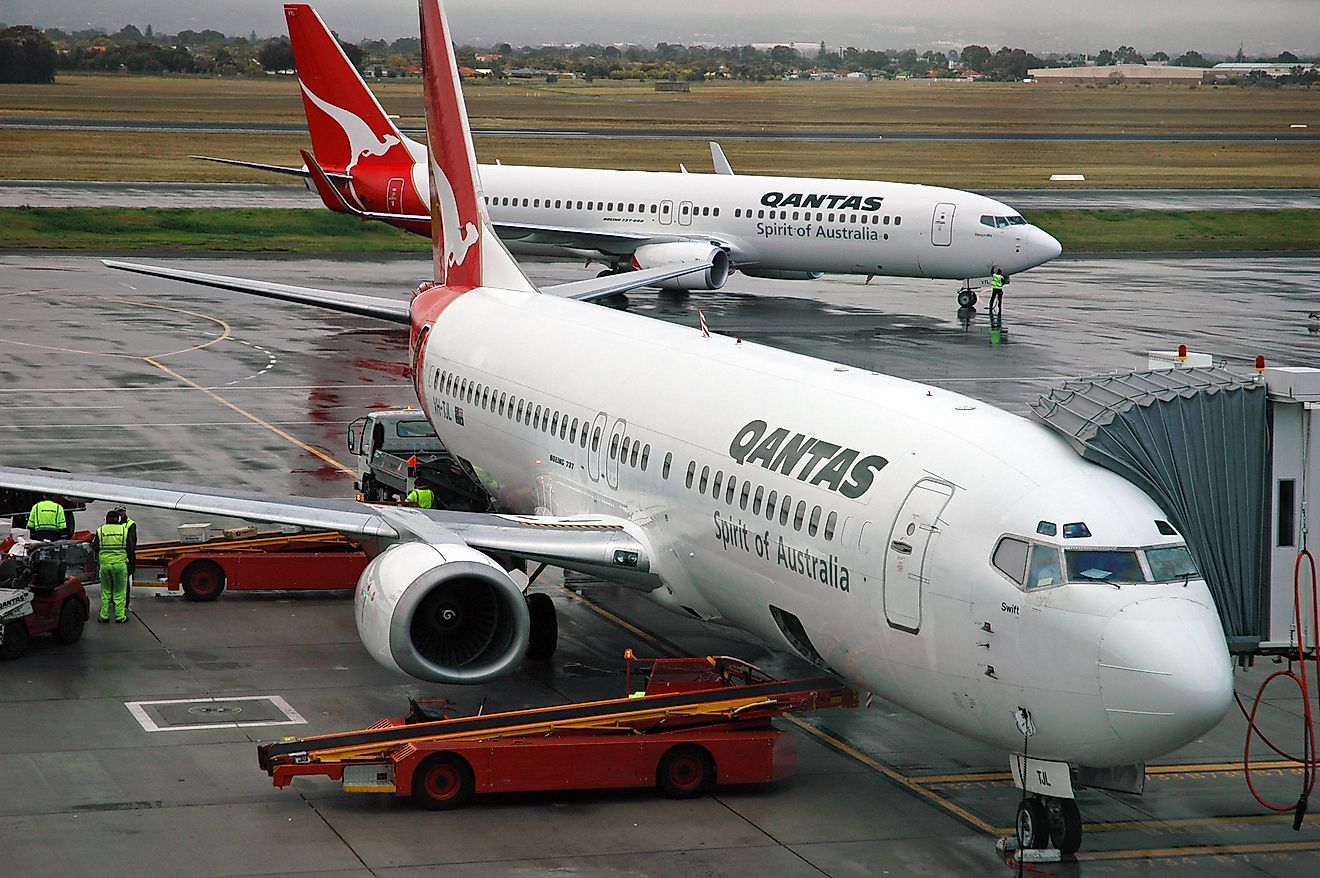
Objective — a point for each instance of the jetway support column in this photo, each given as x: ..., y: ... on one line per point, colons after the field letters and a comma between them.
x: 1293, y: 405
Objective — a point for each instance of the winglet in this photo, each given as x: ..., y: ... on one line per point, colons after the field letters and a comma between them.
x: 465, y: 250
x: 722, y: 165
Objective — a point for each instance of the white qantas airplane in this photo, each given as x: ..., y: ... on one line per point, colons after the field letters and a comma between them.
x: 953, y: 558
x: 794, y: 228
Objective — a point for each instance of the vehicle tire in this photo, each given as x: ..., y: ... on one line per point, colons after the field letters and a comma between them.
x: 966, y: 298
x: 72, y: 619
x: 686, y: 772
x: 545, y: 627
x: 442, y: 782
x: 203, y: 580
x: 1033, y: 826
x: 16, y: 641
x: 370, y: 490
x: 1065, y: 825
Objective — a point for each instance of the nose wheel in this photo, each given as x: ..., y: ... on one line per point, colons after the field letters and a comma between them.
x: 1042, y: 820
x: 966, y: 298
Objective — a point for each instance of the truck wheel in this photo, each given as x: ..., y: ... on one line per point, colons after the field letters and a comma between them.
x: 370, y: 492
x: 203, y: 580
x: 72, y: 619
x: 545, y: 627
x: 686, y: 772
x: 16, y: 640
x: 442, y: 782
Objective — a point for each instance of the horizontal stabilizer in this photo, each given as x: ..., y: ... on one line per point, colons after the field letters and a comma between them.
x: 335, y: 200
x: 613, y: 284
x: 348, y: 303
x: 301, y: 173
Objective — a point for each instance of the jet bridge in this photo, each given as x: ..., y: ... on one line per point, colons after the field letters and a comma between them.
x: 1228, y: 457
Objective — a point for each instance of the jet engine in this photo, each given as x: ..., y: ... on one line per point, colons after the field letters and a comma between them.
x: 781, y: 274
x: 679, y: 252
x: 441, y: 612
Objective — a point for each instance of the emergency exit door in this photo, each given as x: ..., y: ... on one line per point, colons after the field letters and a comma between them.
x: 907, y: 552
x: 941, y: 225
x: 685, y: 211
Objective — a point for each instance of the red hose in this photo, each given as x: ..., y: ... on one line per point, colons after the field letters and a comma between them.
x: 1307, y: 760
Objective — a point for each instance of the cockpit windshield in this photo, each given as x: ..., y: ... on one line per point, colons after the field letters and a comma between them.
x: 1170, y: 563
x: 1034, y: 564
x: 1105, y: 565
x: 1002, y: 222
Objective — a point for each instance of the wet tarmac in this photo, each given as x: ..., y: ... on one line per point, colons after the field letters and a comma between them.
x: 58, y: 193
x: 141, y: 377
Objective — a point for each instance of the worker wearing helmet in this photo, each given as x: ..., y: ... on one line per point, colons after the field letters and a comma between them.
x: 112, y: 553
x: 421, y: 496
x: 47, y: 520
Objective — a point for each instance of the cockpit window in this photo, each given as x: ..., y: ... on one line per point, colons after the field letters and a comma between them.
x: 1165, y: 528
x: 1047, y: 528
x: 1104, y: 565
x: 1001, y: 222
x: 1011, y: 558
x: 1170, y: 563
x: 1016, y: 221
x: 988, y: 220
x: 1076, y: 530
x: 1044, y: 570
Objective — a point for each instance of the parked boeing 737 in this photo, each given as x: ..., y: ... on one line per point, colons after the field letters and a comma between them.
x: 774, y: 227
x: 953, y: 558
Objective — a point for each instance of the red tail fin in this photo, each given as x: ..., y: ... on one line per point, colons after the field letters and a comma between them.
x: 344, y: 118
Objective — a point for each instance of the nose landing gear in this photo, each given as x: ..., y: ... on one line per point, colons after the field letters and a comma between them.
x: 1042, y: 820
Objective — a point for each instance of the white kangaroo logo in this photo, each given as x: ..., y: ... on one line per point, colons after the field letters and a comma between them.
x: 456, y: 243
x: 362, y: 141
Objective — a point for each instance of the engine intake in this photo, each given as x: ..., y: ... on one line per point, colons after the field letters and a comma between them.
x: 443, y: 613
x: 679, y: 252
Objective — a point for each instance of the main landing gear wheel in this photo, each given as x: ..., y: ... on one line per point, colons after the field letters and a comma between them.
x: 203, y: 580
x: 1065, y: 820
x: 545, y: 627
x: 442, y: 782
x: 686, y: 772
x: 966, y: 298
x: 1032, y: 824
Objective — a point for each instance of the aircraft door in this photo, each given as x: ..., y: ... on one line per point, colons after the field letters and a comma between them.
x: 394, y: 195
x: 610, y: 453
x: 941, y: 225
x: 906, y: 554
x: 595, y: 444
x: 685, y: 213
x: 666, y: 212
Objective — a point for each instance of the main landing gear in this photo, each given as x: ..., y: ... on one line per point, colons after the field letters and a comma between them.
x: 1042, y: 820
x: 545, y: 627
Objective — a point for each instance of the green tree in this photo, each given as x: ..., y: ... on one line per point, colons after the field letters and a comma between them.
x: 1190, y: 59
x: 26, y: 55
x: 975, y: 57
x: 276, y: 54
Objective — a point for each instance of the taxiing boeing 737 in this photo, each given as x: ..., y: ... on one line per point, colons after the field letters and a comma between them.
x: 953, y: 558
x: 772, y: 227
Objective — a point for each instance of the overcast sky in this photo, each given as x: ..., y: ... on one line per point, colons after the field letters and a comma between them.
x: 1219, y: 26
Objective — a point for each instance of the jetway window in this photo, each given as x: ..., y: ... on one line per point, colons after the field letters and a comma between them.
x: 719, y: 481
x: 830, y: 521
x: 1044, y: 570
x: 1287, y: 535
x: 1170, y: 563
x: 1010, y: 558
x: 1104, y: 565
x: 756, y: 500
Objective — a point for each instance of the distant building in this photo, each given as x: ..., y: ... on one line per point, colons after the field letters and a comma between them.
x: 664, y: 85
x: 1231, y: 69
x: 1140, y: 73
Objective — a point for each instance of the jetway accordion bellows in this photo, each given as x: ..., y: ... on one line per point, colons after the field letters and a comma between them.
x: 1195, y: 440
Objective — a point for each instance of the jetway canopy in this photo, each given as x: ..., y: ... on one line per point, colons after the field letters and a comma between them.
x: 1197, y: 441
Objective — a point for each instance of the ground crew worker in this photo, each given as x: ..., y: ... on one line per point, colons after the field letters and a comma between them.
x: 132, y: 553
x: 112, y: 553
x: 421, y: 496
x: 997, y: 279
x: 47, y: 520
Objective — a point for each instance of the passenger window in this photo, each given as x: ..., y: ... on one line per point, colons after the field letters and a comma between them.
x: 554, y: 423
x: 717, y: 211
x: 632, y: 457
x: 785, y: 505
x: 729, y: 491
x: 646, y: 456
x: 830, y: 521
x: 536, y: 419
x: 799, y: 514
x: 504, y: 397
x: 595, y: 440
x: 898, y: 220
x: 520, y: 410
x: 536, y: 202
x: 746, y: 492
x: 737, y: 212
x: 756, y: 501
x: 760, y: 214
x: 692, y: 469
x: 1044, y: 570
x: 557, y: 203
x: 669, y: 460
x: 614, y: 447
x: 705, y: 480
x: 813, y: 523
x: 1011, y: 558
x: 770, y: 502
x: 563, y: 427
x: 886, y: 219
x: 719, y: 480
x: 572, y: 433
x: 795, y: 214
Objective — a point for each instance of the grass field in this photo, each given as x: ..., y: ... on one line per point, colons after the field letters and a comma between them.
x: 318, y: 231
x: 877, y: 106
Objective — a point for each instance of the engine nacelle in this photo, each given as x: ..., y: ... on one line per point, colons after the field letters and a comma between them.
x: 781, y: 274
x: 444, y: 613
x: 679, y: 252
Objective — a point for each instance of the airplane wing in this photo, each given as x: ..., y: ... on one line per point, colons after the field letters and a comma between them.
x: 274, y: 169
x: 597, y: 545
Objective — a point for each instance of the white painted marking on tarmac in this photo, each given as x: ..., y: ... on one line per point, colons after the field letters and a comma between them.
x: 139, y: 711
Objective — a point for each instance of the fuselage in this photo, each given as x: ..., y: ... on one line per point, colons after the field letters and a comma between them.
x: 854, y: 518
x: 768, y: 224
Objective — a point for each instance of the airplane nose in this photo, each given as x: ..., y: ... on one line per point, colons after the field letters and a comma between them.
x: 1042, y: 246
x: 1165, y: 674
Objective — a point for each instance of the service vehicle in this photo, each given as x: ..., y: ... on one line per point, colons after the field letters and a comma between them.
x: 397, y: 448
x: 42, y: 591
x: 695, y: 723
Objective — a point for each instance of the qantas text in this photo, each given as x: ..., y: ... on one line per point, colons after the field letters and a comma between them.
x: 822, y: 463
x: 828, y: 202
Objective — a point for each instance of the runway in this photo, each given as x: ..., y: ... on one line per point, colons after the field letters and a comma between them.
x: 141, y: 377
x: 765, y: 133
x: 53, y: 193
